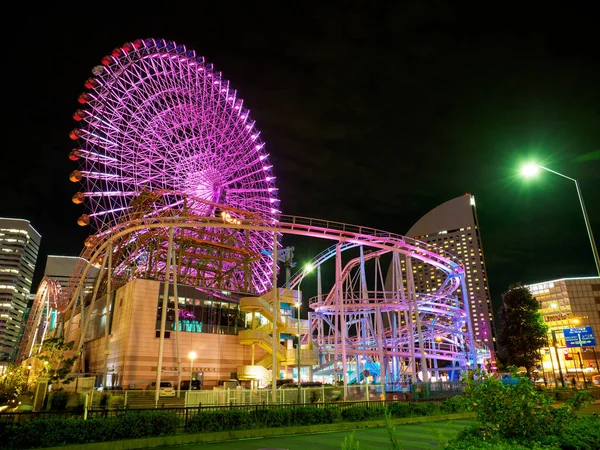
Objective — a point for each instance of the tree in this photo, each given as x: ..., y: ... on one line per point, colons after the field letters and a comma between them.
x: 56, y: 366
x: 522, y: 329
x: 12, y: 383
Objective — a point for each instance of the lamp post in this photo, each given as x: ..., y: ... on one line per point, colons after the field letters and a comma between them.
x: 28, y: 373
x: 192, y: 356
x: 531, y: 170
x: 307, y: 269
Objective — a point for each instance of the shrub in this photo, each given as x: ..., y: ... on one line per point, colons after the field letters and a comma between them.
x: 355, y: 413
x: 452, y: 405
x: 332, y: 415
x: 221, y: 420
x: 581, y: 434
x: 54, y: 431
x: 58, y: 400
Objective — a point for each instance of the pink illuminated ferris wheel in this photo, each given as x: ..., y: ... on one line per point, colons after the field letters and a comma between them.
x: 158, y: 117
x: 157, y: 120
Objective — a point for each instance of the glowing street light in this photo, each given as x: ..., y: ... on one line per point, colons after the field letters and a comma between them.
x: 192, y: 356
x: 307, y: 269
x: 531, y: 169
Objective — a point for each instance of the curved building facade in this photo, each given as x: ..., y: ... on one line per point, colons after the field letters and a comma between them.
x: 453, y: 226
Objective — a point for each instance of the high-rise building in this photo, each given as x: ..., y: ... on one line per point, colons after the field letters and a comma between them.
x: 453, y: 226
x: 570, y: 306
x: 63, y: 269
x: 19, y: 247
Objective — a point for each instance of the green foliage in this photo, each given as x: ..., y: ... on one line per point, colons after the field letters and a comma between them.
x: 222, y: 420
x: 452, y: 405
x: 56, y: 366
x: 519, y: 416
x: 58, y: 400
x: 53, y: 432
x: 331, y: 415
x: 355, y: 414
x: 394, y: 443
x: 403, y: 409
x: 522, y: 331
x: 12, y: 383
x: 350, y: 443
x: 471, y: 439
x: 581, y: 434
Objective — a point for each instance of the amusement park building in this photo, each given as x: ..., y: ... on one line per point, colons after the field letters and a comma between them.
x: 19, y: 246
x: 209, y: 324
x: 569, y: 303
x: 453, y: 227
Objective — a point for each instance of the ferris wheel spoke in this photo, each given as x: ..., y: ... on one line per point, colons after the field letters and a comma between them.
x: 160, y: 120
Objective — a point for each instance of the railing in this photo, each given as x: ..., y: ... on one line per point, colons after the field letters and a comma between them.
x: 186, y: 413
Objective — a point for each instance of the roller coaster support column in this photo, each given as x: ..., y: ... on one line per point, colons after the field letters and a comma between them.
x: 275, y: 343
x: 176, y: 305
x: 163, y: 318
x: 410, y: 284
x: 342, y: 314
x: 107, y: 305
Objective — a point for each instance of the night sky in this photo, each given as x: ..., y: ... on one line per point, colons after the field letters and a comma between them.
x: 372, y: 116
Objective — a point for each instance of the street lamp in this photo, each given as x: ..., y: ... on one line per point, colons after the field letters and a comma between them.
x: 307, y: 269
x: 531, y: 169
x: 28, y: 373
x: 192, y: 356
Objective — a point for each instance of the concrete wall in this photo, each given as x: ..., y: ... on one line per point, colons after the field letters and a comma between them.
x: 133, y: 344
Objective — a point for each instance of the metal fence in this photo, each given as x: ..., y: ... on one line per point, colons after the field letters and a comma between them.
x: 186, y: 413
x: 362, y: 392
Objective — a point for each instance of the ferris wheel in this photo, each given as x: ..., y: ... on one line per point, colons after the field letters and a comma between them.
x: 158, y: 118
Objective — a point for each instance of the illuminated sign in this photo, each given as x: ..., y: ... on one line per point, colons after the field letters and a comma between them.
x: 186, y: 315
x: 579, y: 337
x: 191, y: 326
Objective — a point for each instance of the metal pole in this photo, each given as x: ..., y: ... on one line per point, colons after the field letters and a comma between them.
x: 342, y: 313
x: 109, y: 251
x: 553, y: 370
x: 176, y: 306
x: 191, y: 369
x: 163, y: 318
x: 589, y: 229
x: 299, y: 306
x: 581, y: 367
x: 585, y: 217
x: 562, y: 380
x: 275, y: 340
x: 595, y: 359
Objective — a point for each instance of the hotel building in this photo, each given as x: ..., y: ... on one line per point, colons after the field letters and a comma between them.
x: 453, y: 226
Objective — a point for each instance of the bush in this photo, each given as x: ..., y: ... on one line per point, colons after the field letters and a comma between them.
x: 581, y: 434
x: 332, y: 415
x: 519, y: 417
x: 222, y: 420
x: 355, y: 413
x: 453, y: 405
x: 58, y: 400
x: 54, y: 431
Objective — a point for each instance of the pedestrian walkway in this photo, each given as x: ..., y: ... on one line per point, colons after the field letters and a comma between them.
x: 416, y: 436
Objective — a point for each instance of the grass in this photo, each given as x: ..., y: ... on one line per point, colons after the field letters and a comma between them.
x: 410, y: 436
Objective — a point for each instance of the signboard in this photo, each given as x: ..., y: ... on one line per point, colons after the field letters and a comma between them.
x: 579, y: 337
